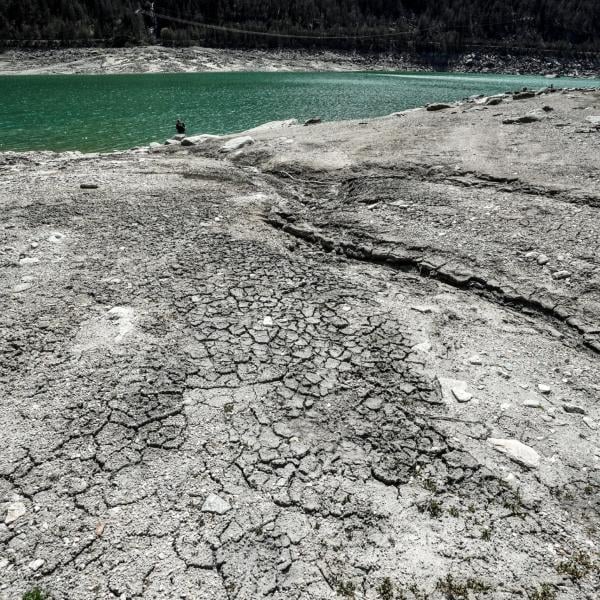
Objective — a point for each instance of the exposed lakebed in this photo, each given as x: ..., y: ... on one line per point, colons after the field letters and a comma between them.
x: 115, y: 112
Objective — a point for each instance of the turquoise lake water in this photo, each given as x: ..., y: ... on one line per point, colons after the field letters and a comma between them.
x: 114, y: 112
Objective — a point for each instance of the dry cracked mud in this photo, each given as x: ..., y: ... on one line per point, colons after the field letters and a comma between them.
x: 350, y: 360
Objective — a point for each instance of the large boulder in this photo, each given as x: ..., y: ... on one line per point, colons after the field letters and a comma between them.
x: 237, y: 143
x: 438, y: 106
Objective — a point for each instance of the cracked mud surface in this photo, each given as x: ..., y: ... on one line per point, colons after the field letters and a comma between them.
x: 277, y: 373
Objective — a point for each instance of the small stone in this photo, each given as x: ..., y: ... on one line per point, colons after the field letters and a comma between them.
x: 3, y: 563
x: 475, y: 360
x: 373, y: 403
x: 461, y: 395
x: 22, y: 287
x: 544, y: 389
x: 312, y: 121
x: 215, y: 504
x: 517, y: 451
x: 14, y: 512
x: 34, y: 565
x: 29, y: 260
x: 573, y: 409
x: 561, y: 275
x: 88, y: 186
x: 532, y: 403
x: 34, y: 245
x: 589, y: 423
x: 542, y: 259
x: 268, y: 322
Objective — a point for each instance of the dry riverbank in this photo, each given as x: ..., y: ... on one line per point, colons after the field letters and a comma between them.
x: 354, y: 359
x: 158, y: 59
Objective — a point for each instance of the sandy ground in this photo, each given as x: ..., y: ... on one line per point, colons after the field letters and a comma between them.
x: 351, y: 360
x: 154, y: 59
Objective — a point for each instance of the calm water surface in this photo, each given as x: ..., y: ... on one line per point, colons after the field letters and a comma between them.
x: 112, y: 112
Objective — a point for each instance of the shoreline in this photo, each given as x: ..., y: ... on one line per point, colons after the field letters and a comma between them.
x: 196, y: 59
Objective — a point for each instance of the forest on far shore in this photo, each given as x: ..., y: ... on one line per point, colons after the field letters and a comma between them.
x: 447, y: 26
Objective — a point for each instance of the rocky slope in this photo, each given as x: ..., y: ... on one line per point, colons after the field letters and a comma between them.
x: 348, y: 360
x: 159, y: 59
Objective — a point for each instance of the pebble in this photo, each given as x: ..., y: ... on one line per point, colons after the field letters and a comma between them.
x: 532, y: 403
x: 476, y: 360
x: 573, y: 409
x: 56, y: 238
x: 374, y: 403
x: 34, y: 565
x: 461, y: 395
x: 544, y: 389
x: 542, y: 259
x: 3, y: 563
x: 517, y: 451
x: 268, y: 322
x: 22, y: 287
x: 561, y: 275
x: 589, y: 423
x: 29, y: 260
x: 215, y: 504
x: 14, y: 512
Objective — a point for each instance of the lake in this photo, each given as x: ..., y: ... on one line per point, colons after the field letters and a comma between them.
x: 115, y: 112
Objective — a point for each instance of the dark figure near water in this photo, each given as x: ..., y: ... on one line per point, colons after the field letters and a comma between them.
x: 180, y: 126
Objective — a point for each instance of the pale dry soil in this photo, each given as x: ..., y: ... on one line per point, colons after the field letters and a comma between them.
x: 236, y: 376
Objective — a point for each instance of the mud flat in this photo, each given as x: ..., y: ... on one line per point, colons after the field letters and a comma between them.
x: 350, y: 360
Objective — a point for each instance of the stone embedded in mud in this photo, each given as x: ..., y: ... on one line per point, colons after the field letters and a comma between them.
x: 561, y: 275
x: 237, y: 143
x: 215, y: 504
x: 34, y: 565
x: 573, y: 409
x: 461, y: 394
x: 517, y: 451
x: 14, y: 511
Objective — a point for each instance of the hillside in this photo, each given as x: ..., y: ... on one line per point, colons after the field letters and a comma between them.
x: 377, y: 25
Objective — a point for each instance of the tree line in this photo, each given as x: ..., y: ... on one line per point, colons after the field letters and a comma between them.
x: 364, y: 25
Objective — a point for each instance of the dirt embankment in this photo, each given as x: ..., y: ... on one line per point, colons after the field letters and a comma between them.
x: 350, y: 360
x: 158, y: 59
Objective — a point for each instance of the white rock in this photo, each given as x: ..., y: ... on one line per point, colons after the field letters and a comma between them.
x: 14, y: 511
x: 215, y: 504
x: 475, y: 360
x: 532, y: 403
x: 4, y: 563
x: 517, y: 451
x: 544, y: 389
x: 268, y: 322
x: 237, y: 143
x: 542, y: 259
x: 461, y: 394
x: 22, y: 287
x: 29, y: 260
x: 34, y: 565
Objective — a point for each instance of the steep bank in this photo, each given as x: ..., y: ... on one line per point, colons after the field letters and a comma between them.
x: 152, y: 59
x: 348, y: 360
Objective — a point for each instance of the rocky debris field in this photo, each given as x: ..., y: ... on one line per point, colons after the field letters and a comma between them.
x: 154, y: 59
x: 347, y: 360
